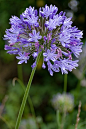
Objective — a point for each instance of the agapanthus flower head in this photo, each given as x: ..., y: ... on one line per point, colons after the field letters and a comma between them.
x: 46, y: 31
x: 63, y: 102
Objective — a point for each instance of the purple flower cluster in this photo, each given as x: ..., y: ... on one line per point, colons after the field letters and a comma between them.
x: 48, y: 32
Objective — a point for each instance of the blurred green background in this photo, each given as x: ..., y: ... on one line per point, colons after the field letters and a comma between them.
x: 43, y: 86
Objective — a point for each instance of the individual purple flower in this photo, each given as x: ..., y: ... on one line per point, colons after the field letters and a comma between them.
x: 53, y: 23
x: 50, y: 55
x: 67, y: 22
x: 30, y: 16
x: 43, y: 65
x: 48, y: 12
x: 11, y: 50
x: 22, y: 57
x: 76, y: 50
x: 35, y: 54
x: 66, y: 65
x: 34, y: 36
x: 33, y: 65
x: 50, y: 68
x: 48, y: 32
x: 15, y: 21
x: 11, y: 37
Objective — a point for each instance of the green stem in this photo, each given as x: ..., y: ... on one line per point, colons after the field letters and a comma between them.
x: 63, y: 120
x: 65, y: 82
x: 64, y: 113
x: 29, y: 99
x: 58, y: 119
x: 30, y: 102
x: 26, y: 94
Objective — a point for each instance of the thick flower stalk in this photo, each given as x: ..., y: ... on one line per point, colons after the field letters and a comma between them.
x: 46, y: 31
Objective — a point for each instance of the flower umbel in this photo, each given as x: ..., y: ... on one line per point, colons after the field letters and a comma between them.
x: 48, y: 32
x: 63, y: 102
